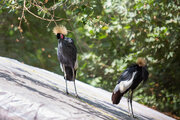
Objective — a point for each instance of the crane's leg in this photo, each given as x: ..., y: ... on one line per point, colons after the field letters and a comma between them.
x: 65, y: 78
x: 66, y: 88
x: 75, y: 89
x: 74, y: 83
x: 128, y: 102
x: 73, y: 74
x: 131, y: 103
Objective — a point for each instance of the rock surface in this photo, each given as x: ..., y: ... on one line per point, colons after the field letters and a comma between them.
x: 30, y: 93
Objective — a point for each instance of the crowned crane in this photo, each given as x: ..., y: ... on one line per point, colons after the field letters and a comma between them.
x: 129, y: 80
x: 67, y: 55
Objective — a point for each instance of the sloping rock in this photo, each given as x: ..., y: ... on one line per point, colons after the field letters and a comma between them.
x: 30, y: 93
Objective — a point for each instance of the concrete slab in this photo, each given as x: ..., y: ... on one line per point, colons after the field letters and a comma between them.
x: 31, y: 93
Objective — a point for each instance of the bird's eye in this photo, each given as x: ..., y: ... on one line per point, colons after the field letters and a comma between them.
x: 58, y: 36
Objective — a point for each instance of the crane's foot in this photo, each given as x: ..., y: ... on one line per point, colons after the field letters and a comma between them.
x: 77, y: 96
x: 134, y: 117
x: 67, y: 92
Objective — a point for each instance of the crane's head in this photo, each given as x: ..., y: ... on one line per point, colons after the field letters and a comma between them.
x: 141, y: 62
x: 60, y: 36
x: 60, y: 31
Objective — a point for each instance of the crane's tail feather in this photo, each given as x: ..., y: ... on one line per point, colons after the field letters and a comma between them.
x: 116, y: 97
x: 69, y: 74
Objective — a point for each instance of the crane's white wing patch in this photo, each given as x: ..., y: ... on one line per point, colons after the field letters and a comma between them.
x: 116, y: 88
x: 76, y: 64
x: 61, y: 68
x: 124, y: 85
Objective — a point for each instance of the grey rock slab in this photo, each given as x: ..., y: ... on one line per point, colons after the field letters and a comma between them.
x: 31, y: 93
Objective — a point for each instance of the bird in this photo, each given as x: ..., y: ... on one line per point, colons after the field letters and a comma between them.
x: 129, y: 80
x: 67, y: 55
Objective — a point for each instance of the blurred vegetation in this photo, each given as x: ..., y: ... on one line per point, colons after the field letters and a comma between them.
x: 109, y: 35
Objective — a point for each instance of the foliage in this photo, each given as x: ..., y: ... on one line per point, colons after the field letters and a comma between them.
x: 109, y: 34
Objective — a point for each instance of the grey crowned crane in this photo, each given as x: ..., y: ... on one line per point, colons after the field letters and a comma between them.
x: 129, y: 80
x: 67, y: 55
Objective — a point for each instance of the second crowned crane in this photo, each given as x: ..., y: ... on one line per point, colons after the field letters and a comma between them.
x: 129, y: 80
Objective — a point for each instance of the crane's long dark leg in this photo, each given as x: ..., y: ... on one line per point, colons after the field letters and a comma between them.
x: 65, y: 79
x: 74, y: 83
x: 128, y: 102
x: 131, y: 103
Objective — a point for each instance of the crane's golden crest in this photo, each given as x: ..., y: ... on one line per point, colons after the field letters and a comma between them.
x: 141, y: 62
x: 60, y: 29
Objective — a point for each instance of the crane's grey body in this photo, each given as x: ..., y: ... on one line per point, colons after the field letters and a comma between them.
x: 67, y: 52
x: 67, y: 56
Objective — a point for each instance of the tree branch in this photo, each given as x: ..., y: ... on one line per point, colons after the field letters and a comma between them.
x: 46, y: 19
